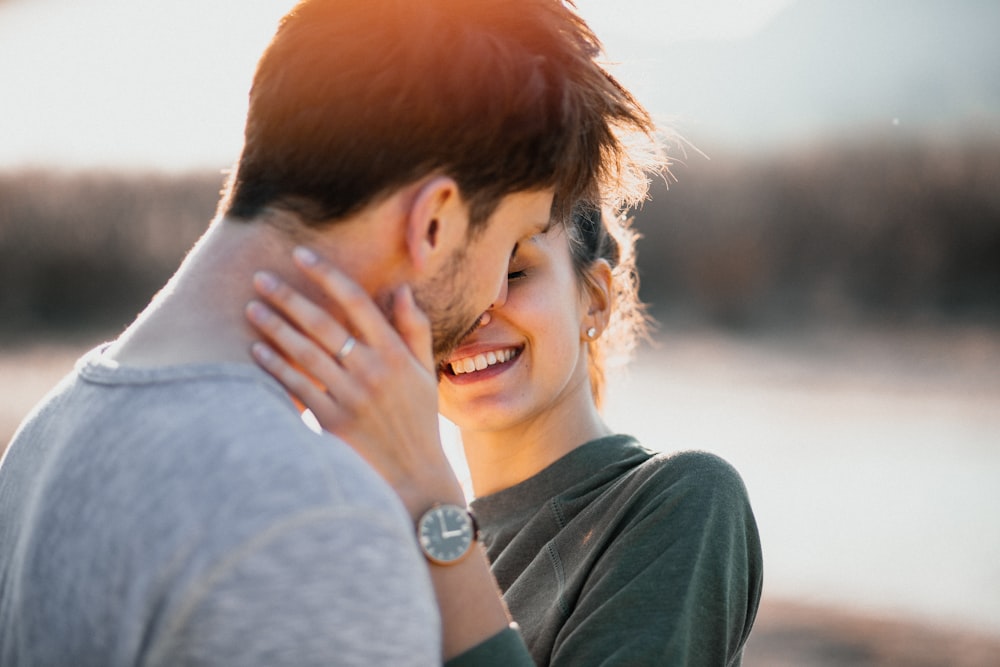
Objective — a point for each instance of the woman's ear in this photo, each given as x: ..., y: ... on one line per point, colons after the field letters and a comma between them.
x: 437, y: 222
x: 598, y: 295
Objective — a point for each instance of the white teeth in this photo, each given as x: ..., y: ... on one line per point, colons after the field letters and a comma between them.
x: 481, y: 361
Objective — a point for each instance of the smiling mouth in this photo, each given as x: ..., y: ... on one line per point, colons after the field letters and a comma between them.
x: 479, y: 362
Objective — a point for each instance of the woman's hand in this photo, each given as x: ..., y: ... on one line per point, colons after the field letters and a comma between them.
x: 378, y: 393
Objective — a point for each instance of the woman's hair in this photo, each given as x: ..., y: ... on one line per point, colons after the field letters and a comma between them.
x: 595, y: 236
x: 354, y: 99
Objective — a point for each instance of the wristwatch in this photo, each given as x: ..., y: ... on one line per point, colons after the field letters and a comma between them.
x: 446, y: 533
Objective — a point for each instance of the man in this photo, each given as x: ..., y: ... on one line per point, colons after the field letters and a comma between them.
x: 166, y: 505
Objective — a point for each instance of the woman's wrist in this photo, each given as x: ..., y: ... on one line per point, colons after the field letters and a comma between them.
x: 438, y: 486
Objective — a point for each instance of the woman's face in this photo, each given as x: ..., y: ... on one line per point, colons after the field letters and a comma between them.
x: 527, y: 358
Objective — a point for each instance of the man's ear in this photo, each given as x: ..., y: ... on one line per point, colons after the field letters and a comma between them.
x: 437, y: 222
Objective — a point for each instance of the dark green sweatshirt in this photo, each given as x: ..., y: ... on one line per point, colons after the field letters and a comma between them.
x: 616, y: 556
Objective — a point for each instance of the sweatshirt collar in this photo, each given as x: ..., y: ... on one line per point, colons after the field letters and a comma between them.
x: 591, y: 464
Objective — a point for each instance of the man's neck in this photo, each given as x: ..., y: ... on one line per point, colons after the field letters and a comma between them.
x: 198, y: 316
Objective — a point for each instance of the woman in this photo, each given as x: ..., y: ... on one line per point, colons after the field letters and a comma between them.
x: 605, y: 552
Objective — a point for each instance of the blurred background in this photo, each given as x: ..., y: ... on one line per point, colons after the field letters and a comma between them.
x: 824, y: 265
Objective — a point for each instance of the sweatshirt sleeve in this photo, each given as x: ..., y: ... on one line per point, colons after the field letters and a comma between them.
x: 680, y: 582
x: 504, y: 649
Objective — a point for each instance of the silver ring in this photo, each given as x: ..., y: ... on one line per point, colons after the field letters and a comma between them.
x: 346, y: 348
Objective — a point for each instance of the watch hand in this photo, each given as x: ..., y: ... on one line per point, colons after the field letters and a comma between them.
x: 451, y: 533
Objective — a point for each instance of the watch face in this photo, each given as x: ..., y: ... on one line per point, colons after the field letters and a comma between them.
x: 446, y: 533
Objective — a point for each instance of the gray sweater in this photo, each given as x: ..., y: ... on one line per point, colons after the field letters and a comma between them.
x: 187, y: 516
x: 616, y: 556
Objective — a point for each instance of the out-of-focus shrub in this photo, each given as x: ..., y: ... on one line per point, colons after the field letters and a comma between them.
x: 87, y: 250
x: 879, y: 232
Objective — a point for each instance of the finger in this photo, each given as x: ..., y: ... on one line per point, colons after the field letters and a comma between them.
x: 299, y: 349
x: 302, y: 312
x: 350, y: 390
x: 366, y: 317
x: 326, y: 410
x: 413, y: 326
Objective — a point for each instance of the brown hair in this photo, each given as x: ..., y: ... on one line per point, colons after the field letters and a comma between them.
x: 352, y: 100
x: 593, y: 237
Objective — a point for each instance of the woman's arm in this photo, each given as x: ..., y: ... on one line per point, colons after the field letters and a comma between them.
x: 381, y: 398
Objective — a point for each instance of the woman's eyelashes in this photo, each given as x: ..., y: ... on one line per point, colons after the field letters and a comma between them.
x: 524, y: 258
x: 514, y: 275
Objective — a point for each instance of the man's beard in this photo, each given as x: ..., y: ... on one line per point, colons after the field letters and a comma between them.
x: 440, y: 298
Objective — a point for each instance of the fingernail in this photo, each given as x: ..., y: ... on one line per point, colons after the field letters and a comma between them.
x: 265, y: 282
x: 261, y: 352
x: 257, y: 312
x: 305, y: 256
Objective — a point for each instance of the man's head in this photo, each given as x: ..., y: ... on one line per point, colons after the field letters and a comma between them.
x: 354, y: 100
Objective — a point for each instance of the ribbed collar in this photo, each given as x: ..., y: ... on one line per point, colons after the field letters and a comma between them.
x: 95, y: 367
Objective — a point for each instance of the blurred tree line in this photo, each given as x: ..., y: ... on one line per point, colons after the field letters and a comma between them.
x: 872, y: 232
x: 882, y: 232
x: 85, y: 251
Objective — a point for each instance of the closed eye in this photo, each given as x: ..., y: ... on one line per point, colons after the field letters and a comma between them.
x: 514, y: 275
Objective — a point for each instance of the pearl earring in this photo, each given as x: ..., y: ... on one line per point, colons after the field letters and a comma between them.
x: 591, y: 332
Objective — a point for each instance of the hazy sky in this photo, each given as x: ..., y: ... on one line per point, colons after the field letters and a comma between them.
x: 124, y: 83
